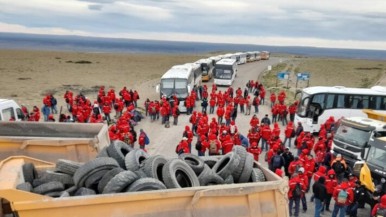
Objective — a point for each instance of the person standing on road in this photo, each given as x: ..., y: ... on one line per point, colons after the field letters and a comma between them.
x: 339, y: 166
x: 379, y: 208
x: 288, y: 158
x: 320, y: 192
x: 295, y: 193
x: 273, y: 99
x: 343, y: 196
x: 182, y: 147
x: 331, y: 183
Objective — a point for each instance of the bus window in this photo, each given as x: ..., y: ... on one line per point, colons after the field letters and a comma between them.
x: 366, y: 102
x: 340, y: 101
x: 330, y: 101
x: 319, y: 98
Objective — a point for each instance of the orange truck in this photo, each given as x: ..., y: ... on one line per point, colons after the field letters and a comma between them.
x: 51, y: 141
x: 258, y: 199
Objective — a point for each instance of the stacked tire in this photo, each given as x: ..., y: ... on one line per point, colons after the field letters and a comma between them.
x: 120, y: 168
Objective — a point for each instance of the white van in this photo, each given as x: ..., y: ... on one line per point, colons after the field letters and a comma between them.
x: 10, y: 110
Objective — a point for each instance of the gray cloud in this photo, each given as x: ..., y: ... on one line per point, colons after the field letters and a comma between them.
x: 95, y: 7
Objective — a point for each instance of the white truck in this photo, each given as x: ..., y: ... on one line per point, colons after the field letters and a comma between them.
x: 10, y: 110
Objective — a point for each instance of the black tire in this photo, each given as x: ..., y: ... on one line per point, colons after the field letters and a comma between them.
x: 29, y: 172
x: 71, y: 190
x: 54, y: 194
x: 25, y: 186
x: 226, y: 165
x: 134, y: 159
x: 206, y: 172
x: 242, y: 153
x: 120, y: 182
x: 153, y: 166
x: 103, y: 153
x: 247, y: 169
x: 146, y: 184
x: 91, y: 167
x: 37, y: 182
x: 229, y: 180
x: 195, y: 162
x: 210, y: 160
x: 65, y: 194
x: 141, y: 174
x: 65, y: 179
x: 208, y: 177
x: 49, y: 187
x: 84, y: 192
x: 67, y: 166
x: 118, y: 150
x: 178, y: 174
x: 92, y: 181
x: 107, y: 177
x: 257, y: 175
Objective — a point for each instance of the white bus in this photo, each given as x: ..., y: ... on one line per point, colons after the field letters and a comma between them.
x: 225, y: 72
x: 180, y: 80
x: 318, y: 103
x: 241, y: 58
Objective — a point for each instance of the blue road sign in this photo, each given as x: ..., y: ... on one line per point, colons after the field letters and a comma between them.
x: 304, y: 76
x: 283, y: 75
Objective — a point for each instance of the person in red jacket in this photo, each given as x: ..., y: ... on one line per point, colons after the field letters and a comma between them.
x: 343, y: 196
x: 227, y: 145
x: 188, y: 105
x: 293, y: 199
x: 331, y: 183
x: 214, y: 145
x: 253, y: 136
x: 255, y: 150
x: 266, y: 135
x: 135, y: 98
x: 276, y: 130
x: 212, y: 104
x: 204, y: 145
x: 292, y: 110
x: 106, y: 111
x: 183, y: 147
x: 142, y: 140
x: 189, y: 135
x: 254, y: 121
x: 273, y: 99
x: 270, y: 153
x: 262, y: 95
x: 295, y: 165
x: 275, y: 112
x: 281, y: 97
x: 289, y: 133
x: 379, y: 208
x: 220, y: 114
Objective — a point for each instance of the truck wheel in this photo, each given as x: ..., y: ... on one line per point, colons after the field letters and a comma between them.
x: 257, y: 175
x: 29, y: 172
x: 107, y: 177
x: 103, y: 153
x: 146, y: 184
x: 49, y: 187
x: 210, y: 160
x: 67, y: 166
x: 226, y: 165
x: 178, y: 174
x: 120, y: 182
x: 91, y: 167
x: 49, y: 176
x: 84, y: 192
x: 242, y: 153
x: 195, y: 162
x: 247, y: 169
x: 25, y: 186
x: 118, y: 150
x: 135, y: 158
x: 153, y: 166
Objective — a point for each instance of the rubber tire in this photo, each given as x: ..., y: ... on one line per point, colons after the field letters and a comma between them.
x: 153, y: 166
x: 118, y: 150
x: 242, y: 153
x: 146, y: 184
x: 208, y: 177
x: 257, y: 175
x: 93, y: 180
x: 226, y: 165
x: 29, y: 172
x: 103, y: 153
x: 91, y: 167
x: 178, y: 174
x: 107, y: 177
x: 210, y: 161
x: 25, y: 186
x: 67, y: 166
x: 54, y: 194
x: 65, y: 179
x: 71, y: 190
x: 84, y: 192
x: 195, y: 162
x: 141, y: 174
x: 247, y: 169
x: 48, y: 187
x: 229, y: 180
x: 120, y: 182
x: 37, y: 182
x: 134, y: 159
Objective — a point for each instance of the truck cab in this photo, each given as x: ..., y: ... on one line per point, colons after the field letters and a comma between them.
x: 10, y: 111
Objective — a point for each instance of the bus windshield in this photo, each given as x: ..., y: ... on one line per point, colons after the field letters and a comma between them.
x: 174, y: 86
x: 353, y: 136
x: 303, y: 105
x: 223, y: 74
x: 377, y: 157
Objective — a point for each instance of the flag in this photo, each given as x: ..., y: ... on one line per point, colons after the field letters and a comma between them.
x: 365, y: 178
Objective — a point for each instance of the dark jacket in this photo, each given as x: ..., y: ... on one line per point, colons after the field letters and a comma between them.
x: 319, y: 189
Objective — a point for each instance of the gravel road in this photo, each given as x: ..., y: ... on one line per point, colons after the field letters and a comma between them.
x: 164, y: 140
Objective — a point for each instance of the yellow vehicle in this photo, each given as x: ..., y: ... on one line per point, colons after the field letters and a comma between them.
x: 206, y: 68
x: 258, y: 199
x: 51, y: 141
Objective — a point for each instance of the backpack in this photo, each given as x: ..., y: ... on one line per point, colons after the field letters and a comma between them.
x: 212, y: 147
x: 381, y: 212
x: 342, y: 196
x: 276, y: 161
x: 198, y: 146
x: 153, y: 110
x: 338, y: 167
x: 297, y: 192
x: 147, y: 140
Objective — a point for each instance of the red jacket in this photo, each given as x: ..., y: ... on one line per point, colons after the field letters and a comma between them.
x: 292, y: 184
x: 266, y: 133
x: 184, y: 146
x: 227, y: 145
x: 350, y: 193
x: 381, y: 205
x: 256, y: 151
x: 273, y: 98
x: 220, y: 111
x: 254, y: 122
x: 288, y: 130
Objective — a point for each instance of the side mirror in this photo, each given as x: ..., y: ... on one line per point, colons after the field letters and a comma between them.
x: 157, y: 88
x: 357, y: 167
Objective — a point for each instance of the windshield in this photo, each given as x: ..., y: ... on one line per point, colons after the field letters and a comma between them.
x: 223, y: 74
x: 377, y: 157
x: 352, y: 136
x: 177, y: 86
x: 303, y: 105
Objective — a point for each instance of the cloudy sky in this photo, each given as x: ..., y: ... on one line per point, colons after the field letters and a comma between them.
x: 342, y: 23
